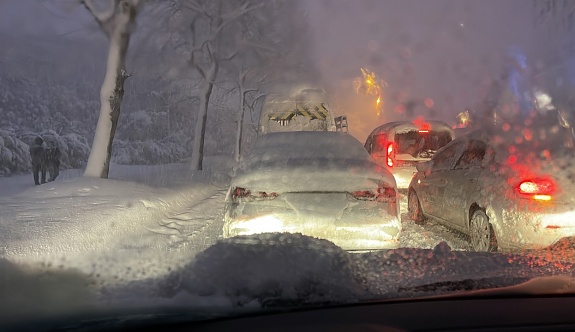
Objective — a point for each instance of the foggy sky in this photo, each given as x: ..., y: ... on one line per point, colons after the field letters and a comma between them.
x: 446, y: 50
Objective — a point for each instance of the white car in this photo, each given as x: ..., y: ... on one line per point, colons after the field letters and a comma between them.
x: 321, y: 184
x: 400, y: 146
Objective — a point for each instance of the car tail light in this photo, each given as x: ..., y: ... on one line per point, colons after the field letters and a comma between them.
x: 388, y: 156
x: 247, y: 195
x: 240, y: 193
x: 538, y: 189
x: 364, y: 195
x: 383, y: 194
x: 386, y: 194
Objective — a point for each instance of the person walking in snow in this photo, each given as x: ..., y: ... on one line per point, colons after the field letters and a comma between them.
x: 38, y: 155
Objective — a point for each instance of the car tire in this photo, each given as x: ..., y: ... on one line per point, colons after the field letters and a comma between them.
x: 414, y: 208
x: 481, y: 234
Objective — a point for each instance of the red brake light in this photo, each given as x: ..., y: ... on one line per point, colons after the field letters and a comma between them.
x: 364, y: 195
x: 240, y: 193
x: 389, y: 160
x: 536, y: 187
x: 245, y: 194
x: 420, y: 123
x: 384, y: 194
x: 539, y: 189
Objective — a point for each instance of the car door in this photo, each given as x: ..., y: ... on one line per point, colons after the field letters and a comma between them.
x: 461, y: 183
x: 433, y: 183
x: 378, y: 148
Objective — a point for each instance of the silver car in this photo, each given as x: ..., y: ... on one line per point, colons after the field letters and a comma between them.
x: 321, y: 184
x: 507, y: 188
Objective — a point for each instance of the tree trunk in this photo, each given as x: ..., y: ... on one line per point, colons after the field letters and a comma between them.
x: 240, y: 126
x: 200, y: 130
x: 111, y: 96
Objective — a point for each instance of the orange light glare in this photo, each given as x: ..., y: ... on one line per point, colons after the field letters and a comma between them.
x: 542, y: 197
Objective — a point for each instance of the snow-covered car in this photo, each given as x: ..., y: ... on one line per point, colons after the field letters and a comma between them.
x: 321, y: 184
x: 399, y: 146
x: 509, y: 188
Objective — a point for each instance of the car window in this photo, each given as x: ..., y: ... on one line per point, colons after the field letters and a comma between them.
x: 416, y: 143
x: 472, y: 156
x: 445, y: 157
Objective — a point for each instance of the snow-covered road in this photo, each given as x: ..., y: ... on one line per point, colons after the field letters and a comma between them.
x: 177, y: 215
x: 198, y: 225
x: 150, y: 236
x: 143, y: 223
x: 429, y: 235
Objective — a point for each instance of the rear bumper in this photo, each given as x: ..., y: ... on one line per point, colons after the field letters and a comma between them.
x: 517, y: 230
x: 359, y: 228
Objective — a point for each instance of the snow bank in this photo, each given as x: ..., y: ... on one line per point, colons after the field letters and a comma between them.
x: 292, y: 270
x: 272, y: 268
x: 409, y: 272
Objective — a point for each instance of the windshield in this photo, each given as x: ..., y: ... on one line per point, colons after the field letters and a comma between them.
x: 225, y: 157
x: 416, y: 143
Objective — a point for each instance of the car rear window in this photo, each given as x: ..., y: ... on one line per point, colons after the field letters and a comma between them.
x: 416, y: 143
x: 305, y: 145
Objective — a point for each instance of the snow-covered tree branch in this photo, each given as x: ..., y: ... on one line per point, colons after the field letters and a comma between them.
x: 211, y: 41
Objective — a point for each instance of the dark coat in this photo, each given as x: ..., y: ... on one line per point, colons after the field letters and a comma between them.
x: 38, y: 156
x: 37, y: 152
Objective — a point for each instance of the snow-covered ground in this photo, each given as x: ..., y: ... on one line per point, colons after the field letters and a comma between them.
x: 149, y: 236
x: 85, y: 223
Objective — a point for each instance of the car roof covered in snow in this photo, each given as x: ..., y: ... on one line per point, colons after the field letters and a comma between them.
x: 309, y: 161
x: 305, y: 144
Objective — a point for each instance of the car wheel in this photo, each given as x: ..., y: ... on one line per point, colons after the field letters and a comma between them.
x: 481, y: 234
x: 414, y: 208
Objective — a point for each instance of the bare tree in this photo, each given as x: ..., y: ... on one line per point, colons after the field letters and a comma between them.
x: 210, y: 42
x: 260, y: 50
x: 117, y: 22
x: 556, y: 14
x: 254, y: 51
x: 244, y: 91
